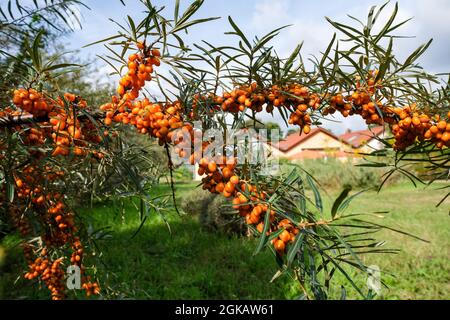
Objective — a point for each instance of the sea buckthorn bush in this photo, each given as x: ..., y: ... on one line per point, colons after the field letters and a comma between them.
x: 217, y: 87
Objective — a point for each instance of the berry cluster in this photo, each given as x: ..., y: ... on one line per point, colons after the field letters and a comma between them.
x: 32, y: 101
x: 50, y: 272
x: 157, y: 120
x: 68, y: 132
x: 140, y: 68
x: 91, y: 288
x: 408, y: 124
x: 286, y: 236
x: 294, y: 97
x: 223, y: 178
x: 38, y: 183
x: 57, y: 227
x: 415, y: 125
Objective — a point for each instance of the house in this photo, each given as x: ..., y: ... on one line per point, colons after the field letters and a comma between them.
x: 322, y: 144
x: 365, y: 141
x: 318, y: 144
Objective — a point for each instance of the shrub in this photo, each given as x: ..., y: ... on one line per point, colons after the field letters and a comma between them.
x: 221, y: 217
x: 213, y: 211
x: 196, y: 201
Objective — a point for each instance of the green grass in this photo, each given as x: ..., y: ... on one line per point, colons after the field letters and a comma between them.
x: 420, y: 270
x: 190, y: 263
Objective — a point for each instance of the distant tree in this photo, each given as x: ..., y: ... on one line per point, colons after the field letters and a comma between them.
x: 21, y: 21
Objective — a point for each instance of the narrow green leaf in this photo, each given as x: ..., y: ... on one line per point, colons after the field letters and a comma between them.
x: 103, y: 40
x: 191, y: 23
x: 60, y: 66
x: 239, y: 32
x: 347, y: 201
x: 263, y: 238
x: 370, y: 18
x: 3, y: 14
x: 19, y: 7
x: 317, y: 197
x: 339, y: 200
x: 295, y: 247
x: 388, y: 24
x: 35, y: 52
x: 133, y: 28
x: 417, y: 53
x: 10, y: 10
x: 176, y: 11
x: 10, y: 191
x: 325, y: 56
x: 290, y: 61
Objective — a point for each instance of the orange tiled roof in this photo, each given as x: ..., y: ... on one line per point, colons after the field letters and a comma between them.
x: 357, y: 138
x: 295, y: 138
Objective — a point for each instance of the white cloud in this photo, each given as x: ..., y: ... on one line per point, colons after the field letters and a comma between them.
x: 270, y: 13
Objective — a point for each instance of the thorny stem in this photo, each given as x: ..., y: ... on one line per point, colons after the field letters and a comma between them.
x: 317, y: 223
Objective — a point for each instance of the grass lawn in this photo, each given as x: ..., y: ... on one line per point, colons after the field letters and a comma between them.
x: 190, y: 263
x: 420, y: 270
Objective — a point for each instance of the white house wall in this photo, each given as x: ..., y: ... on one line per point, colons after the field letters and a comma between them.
x: 319, y: 140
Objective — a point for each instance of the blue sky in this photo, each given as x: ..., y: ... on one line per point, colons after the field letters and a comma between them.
x: 431, y: 19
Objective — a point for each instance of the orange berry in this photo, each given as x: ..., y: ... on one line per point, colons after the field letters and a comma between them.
x: 280, y: 246
x: 434, y: 129
x: 121, y: 90
x: 242, y: 198
x: 416, y: 121
x: 69, y: 96
x: 227, y: 173
x: 226, y: 194
x: 19, y: 183
x: 445, y: 136
x: 260, y: 227
x: 407, y: 121
x: 306, y: 129
x: 132, y: 57
x: 234, y: 180
x: 212, y: 166
x: 220, y: 187
x: 236, y: 203
x: 203, y: 162
x: 132, y: 65
x: 285, y: 236
x: 229, y: 187
x: 442, y: 125
x: 156, y: 53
